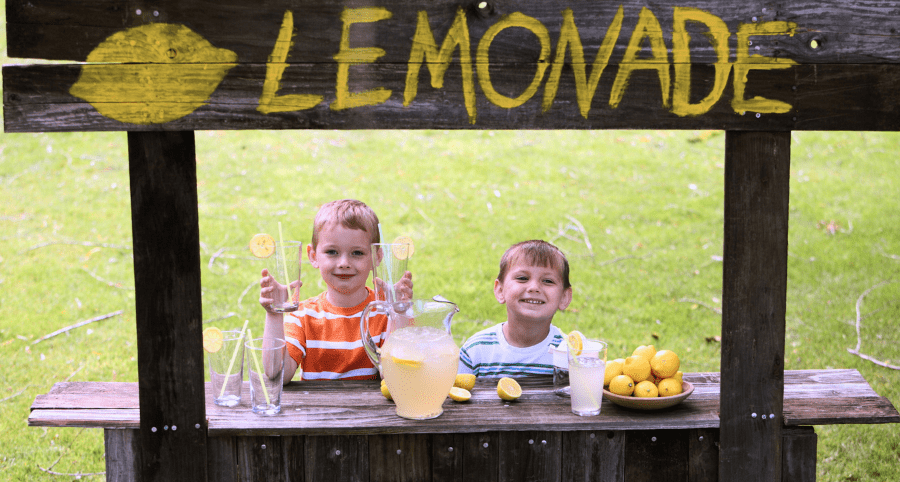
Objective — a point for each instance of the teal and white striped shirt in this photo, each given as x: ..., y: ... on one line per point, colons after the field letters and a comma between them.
x: 488, y: 354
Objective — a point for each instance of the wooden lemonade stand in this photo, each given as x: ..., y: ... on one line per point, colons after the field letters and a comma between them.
x: 161, y: 70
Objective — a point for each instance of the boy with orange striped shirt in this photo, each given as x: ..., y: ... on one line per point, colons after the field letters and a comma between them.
x: 323, y: 334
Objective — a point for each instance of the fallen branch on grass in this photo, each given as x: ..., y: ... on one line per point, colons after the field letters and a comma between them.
x: 76, y: 325
x: 563, y: 232
x: 859, y: 317
x: 14, y: 395
x: 713, y: 308
x: 78, y: 243
x: 77, y: 475
x: 108, y: 283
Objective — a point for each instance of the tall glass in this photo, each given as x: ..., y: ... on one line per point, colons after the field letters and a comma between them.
x: 389, y: 264
x: 265, y: 365
x: 586, y: 370
x: 284, y: 267
x: 226, y: 369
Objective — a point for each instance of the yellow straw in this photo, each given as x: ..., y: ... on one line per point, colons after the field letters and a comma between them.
x: 259, y: 372
x: 284, y: 264
x: 233, y: 357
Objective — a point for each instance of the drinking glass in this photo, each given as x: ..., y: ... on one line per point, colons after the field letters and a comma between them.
x: 586, y: 370
x: 265, y: 365
x: 284, y: 267
x: 389, y: 263
x: 226, y: 369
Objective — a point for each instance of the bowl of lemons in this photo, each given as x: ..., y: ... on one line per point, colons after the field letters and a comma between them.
x: 646, y: 380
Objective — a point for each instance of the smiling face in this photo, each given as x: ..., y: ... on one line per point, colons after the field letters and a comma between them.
x: 532, y: 293
x: 344, y: 259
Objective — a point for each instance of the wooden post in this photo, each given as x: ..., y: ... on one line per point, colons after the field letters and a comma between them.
x: 164, y: 219
x: 757, y: 166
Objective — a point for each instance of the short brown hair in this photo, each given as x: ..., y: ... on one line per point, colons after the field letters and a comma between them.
x: 536, y: 253
x: 349, y: 213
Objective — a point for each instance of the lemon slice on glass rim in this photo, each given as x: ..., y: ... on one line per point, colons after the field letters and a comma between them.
x: 403, y: 247
x: 262, y: 245
x: 575, y: 341
x: 212, y: 339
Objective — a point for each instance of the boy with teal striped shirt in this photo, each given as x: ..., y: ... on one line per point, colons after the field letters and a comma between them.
x: 533, y: 283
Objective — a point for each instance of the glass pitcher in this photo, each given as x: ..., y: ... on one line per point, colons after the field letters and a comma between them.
x: 419, y: 358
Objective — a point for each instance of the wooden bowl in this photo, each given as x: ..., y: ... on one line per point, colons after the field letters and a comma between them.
x: 657, y: 403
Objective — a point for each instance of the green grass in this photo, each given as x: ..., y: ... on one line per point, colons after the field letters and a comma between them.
x: 646, y: 269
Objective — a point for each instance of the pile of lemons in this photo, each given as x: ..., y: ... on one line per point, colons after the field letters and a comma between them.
x: 646, y: 373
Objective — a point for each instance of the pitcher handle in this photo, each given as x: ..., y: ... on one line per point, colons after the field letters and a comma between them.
x: 373, y: 308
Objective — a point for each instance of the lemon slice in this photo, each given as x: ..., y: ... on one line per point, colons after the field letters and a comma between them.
x: 460, y: 394
x: 212, y: 339
x: 508, y: 389
x: 466, y: 381
x: 262, y: 245
x: 575, y: 340
x: 401, y: 251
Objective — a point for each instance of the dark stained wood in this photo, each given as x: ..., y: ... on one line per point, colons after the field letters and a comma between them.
x: 661, y: 454
x: 122, y: 449
x: 481, y: 456
x: 447, y: 456
x: 337, y: 457
x: 531, y: 455
x: 166, y: 234
x: 593, y: 455
x: 798, y: 459
x: 757, y: 174
x: 70, y: 29
x: 222, y: 459
x: 703, y: 455
x: 261, y: 458
x: 400, y: 458
x: 824, y: 97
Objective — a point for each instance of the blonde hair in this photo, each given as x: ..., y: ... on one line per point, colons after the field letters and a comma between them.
x: 349, y: 213
x: 536, y: 252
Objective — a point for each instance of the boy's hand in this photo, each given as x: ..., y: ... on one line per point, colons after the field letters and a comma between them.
x: 272, y: 291
x: 404, y: 287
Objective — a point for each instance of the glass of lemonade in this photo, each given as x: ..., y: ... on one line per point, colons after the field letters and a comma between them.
x: 586, y: 370
x: 420, y: 364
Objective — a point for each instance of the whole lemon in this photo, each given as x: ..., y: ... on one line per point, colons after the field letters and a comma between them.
x: 622, y: 385
x: 646, y: 389
x: 645, y: 351
x: 664, y: 363
x: 613, y: 369
x: 466, y: 381
x: 385, y: 391
x: 678, y: 376
x: 669, y: 387
x: 637, y: 367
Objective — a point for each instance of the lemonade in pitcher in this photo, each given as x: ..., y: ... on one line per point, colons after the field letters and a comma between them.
x: 419, y: 364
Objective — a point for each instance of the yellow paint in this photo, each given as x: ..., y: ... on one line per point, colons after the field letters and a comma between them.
x: 745, y: 62
x: 718, y: 36
x: 269, y: 101
x: 424, y: 48
x: 170, y: 72
x: 347, y: 56
x: 647, y: 27
x: 584, y: 87
x: 515, y: 19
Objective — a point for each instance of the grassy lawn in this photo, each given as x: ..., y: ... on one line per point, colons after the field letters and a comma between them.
x: 639, y: 213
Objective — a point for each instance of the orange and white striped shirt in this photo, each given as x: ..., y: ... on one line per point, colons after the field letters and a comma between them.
x: 325, y: 342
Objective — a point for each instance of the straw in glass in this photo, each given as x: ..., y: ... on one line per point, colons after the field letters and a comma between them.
x: 237, y: 346
x: 284, y: 263
x: 259, y: 372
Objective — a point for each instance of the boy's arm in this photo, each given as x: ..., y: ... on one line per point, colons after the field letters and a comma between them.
x: 275, y: 329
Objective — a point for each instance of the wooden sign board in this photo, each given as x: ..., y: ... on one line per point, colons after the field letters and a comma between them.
x: 453, y: 64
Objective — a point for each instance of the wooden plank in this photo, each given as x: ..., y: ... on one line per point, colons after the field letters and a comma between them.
x: 165, y: 228
x: 824, y: 97
x: 757, y: 173
x: 122, y: 451
x: 337, y: 457
x: 593, y: 455
x: 703, y: 455
x: 847, y: 32
x: 222, y: 459
x: 87, y: 417
x: 799, y: 456
x: 652, y: 455
x: 447, y: 457
x: 531, y: 455
x: 481, y: 456
x: 262, y: 458
x: 400, y: 458
x: 833, y: 411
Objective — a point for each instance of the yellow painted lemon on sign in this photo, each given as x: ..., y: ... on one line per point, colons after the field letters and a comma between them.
x: 152, y: 74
